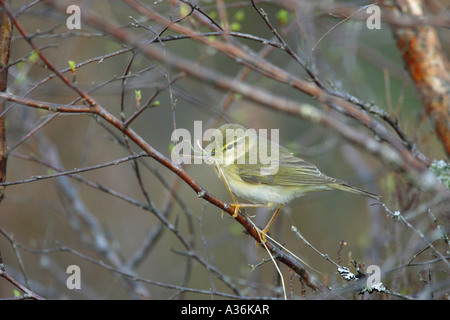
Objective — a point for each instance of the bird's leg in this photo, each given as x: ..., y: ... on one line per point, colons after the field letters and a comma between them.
x: 263, y: 233
x: 236, y: 205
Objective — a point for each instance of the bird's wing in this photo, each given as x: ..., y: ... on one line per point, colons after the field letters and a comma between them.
x: 292, y: 171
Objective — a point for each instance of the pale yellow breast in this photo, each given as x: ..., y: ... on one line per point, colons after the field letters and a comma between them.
x: 260, y: 193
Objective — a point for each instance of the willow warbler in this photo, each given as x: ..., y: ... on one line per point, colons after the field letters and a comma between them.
x: 263, y: 172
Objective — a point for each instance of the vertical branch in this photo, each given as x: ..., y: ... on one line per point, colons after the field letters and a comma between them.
x: 428, y: 66
x: 5, y: 43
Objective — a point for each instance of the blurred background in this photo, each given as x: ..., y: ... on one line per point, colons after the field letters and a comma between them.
x: 100, y: 216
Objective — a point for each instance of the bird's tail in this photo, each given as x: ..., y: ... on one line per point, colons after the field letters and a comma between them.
x: 352, y: 189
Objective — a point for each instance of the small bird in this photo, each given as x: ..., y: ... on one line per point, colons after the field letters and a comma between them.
x: 237, y: 156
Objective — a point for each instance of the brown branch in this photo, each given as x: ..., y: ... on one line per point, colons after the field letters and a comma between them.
x: 5, y: 44
x: 428, y: 66
x: 45, y: 105
x: 28, y: 293
x: 3, y: 274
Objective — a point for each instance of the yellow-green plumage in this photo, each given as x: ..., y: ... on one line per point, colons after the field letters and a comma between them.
x: 294, y: 177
